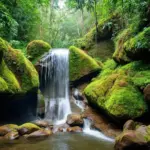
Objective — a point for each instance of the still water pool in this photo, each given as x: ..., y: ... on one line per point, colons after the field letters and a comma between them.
x: 61, y: 141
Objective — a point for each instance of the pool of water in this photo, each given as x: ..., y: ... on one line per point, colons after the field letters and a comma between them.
x: 61, y: 141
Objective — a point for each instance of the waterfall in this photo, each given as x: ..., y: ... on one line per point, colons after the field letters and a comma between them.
x: 55, y: 79
x: 87, y: 129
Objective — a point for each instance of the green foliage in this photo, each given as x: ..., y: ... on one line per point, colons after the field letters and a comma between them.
x: 36, y: 49
x: 81, y: 64
x: 8, y: 25
x: 20, y: 18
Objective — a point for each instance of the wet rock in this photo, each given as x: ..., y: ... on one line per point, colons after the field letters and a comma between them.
x: 7, y: 128
x: 131, y: 140
x: 147, y: 93
x: 40, y: 133
x: 129, y: 125
x: 12, y: 135
x: 101, y: 122
x: 74, y: 129
x: 27, y: 128
x: 138, y: 139
x: 78, y: 95
x: 41, y: 123
x: 75, y: 120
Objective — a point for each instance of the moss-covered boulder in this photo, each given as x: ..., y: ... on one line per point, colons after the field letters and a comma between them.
x: 5, y: 129
x: 131, y: 47
x: 106, y: 28
x: 118, y: 91
x: 28, y: 128
x: 98, y: 43
x: 137, y: 137
x: 81, y: 64
x: 17, y: 74
x: 36, y: 49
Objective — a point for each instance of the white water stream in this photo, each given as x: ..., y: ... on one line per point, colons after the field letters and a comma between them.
x: 87, y: 129
x: 56, y: 70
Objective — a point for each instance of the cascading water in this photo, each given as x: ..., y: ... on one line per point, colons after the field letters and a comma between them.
x: 55, y: 73
x: 87, y: 129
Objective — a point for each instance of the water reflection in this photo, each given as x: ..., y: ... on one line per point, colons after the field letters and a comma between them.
x: 62, y: 141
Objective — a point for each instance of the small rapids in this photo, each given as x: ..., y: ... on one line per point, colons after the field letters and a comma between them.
x: 87, y: 129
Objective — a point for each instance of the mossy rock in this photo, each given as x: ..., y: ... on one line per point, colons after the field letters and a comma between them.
x: 131, y: 47
x: 138, y: 47
x: 36, y: 49
x: 81, y: 64
x: 106, y: 28
x: 28, y: 128
x: 7, y: 128
x: 117, y: 91
x: 17, y: 74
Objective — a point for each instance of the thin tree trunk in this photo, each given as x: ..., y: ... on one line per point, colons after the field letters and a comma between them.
x: 50, y: 20
x: 96, y: 19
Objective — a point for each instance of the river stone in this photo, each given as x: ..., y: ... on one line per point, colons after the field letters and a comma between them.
x: 129, y: 125
x: 27, y: 128
x: 7, y: 128
x: 41, y: 123
x: 40, y: 133
x: 138, y: 139
x: 12, y: 135
x: 75, y: 120
x: 74, y: 129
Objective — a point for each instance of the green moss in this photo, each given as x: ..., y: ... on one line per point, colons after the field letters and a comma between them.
x: 105, y: 31
x: 3, y: 85
x: 36, y: 49
x: 3, y: 47
x: 81, y: 64
x: 10, y: 79
x: 17, y: 72
x: 138, y: 46
x: 29, y: 126
x: 12, y: 126
x: 130, y: 47
x: 126, y: 102
x: 119, y: 88
x: 119, y: 54
x: 139, y: 73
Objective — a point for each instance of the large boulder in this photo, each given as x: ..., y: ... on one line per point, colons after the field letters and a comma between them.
x: 136, y: 138
x: 106, y: 29
x: 37, y: 48
x: 17, y: 74
x: 28, y: 128
x: 81, y: 64
x: 5, y: 129
x: 19, y: 82
x: 131, y: 47
x: 118, y: 91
